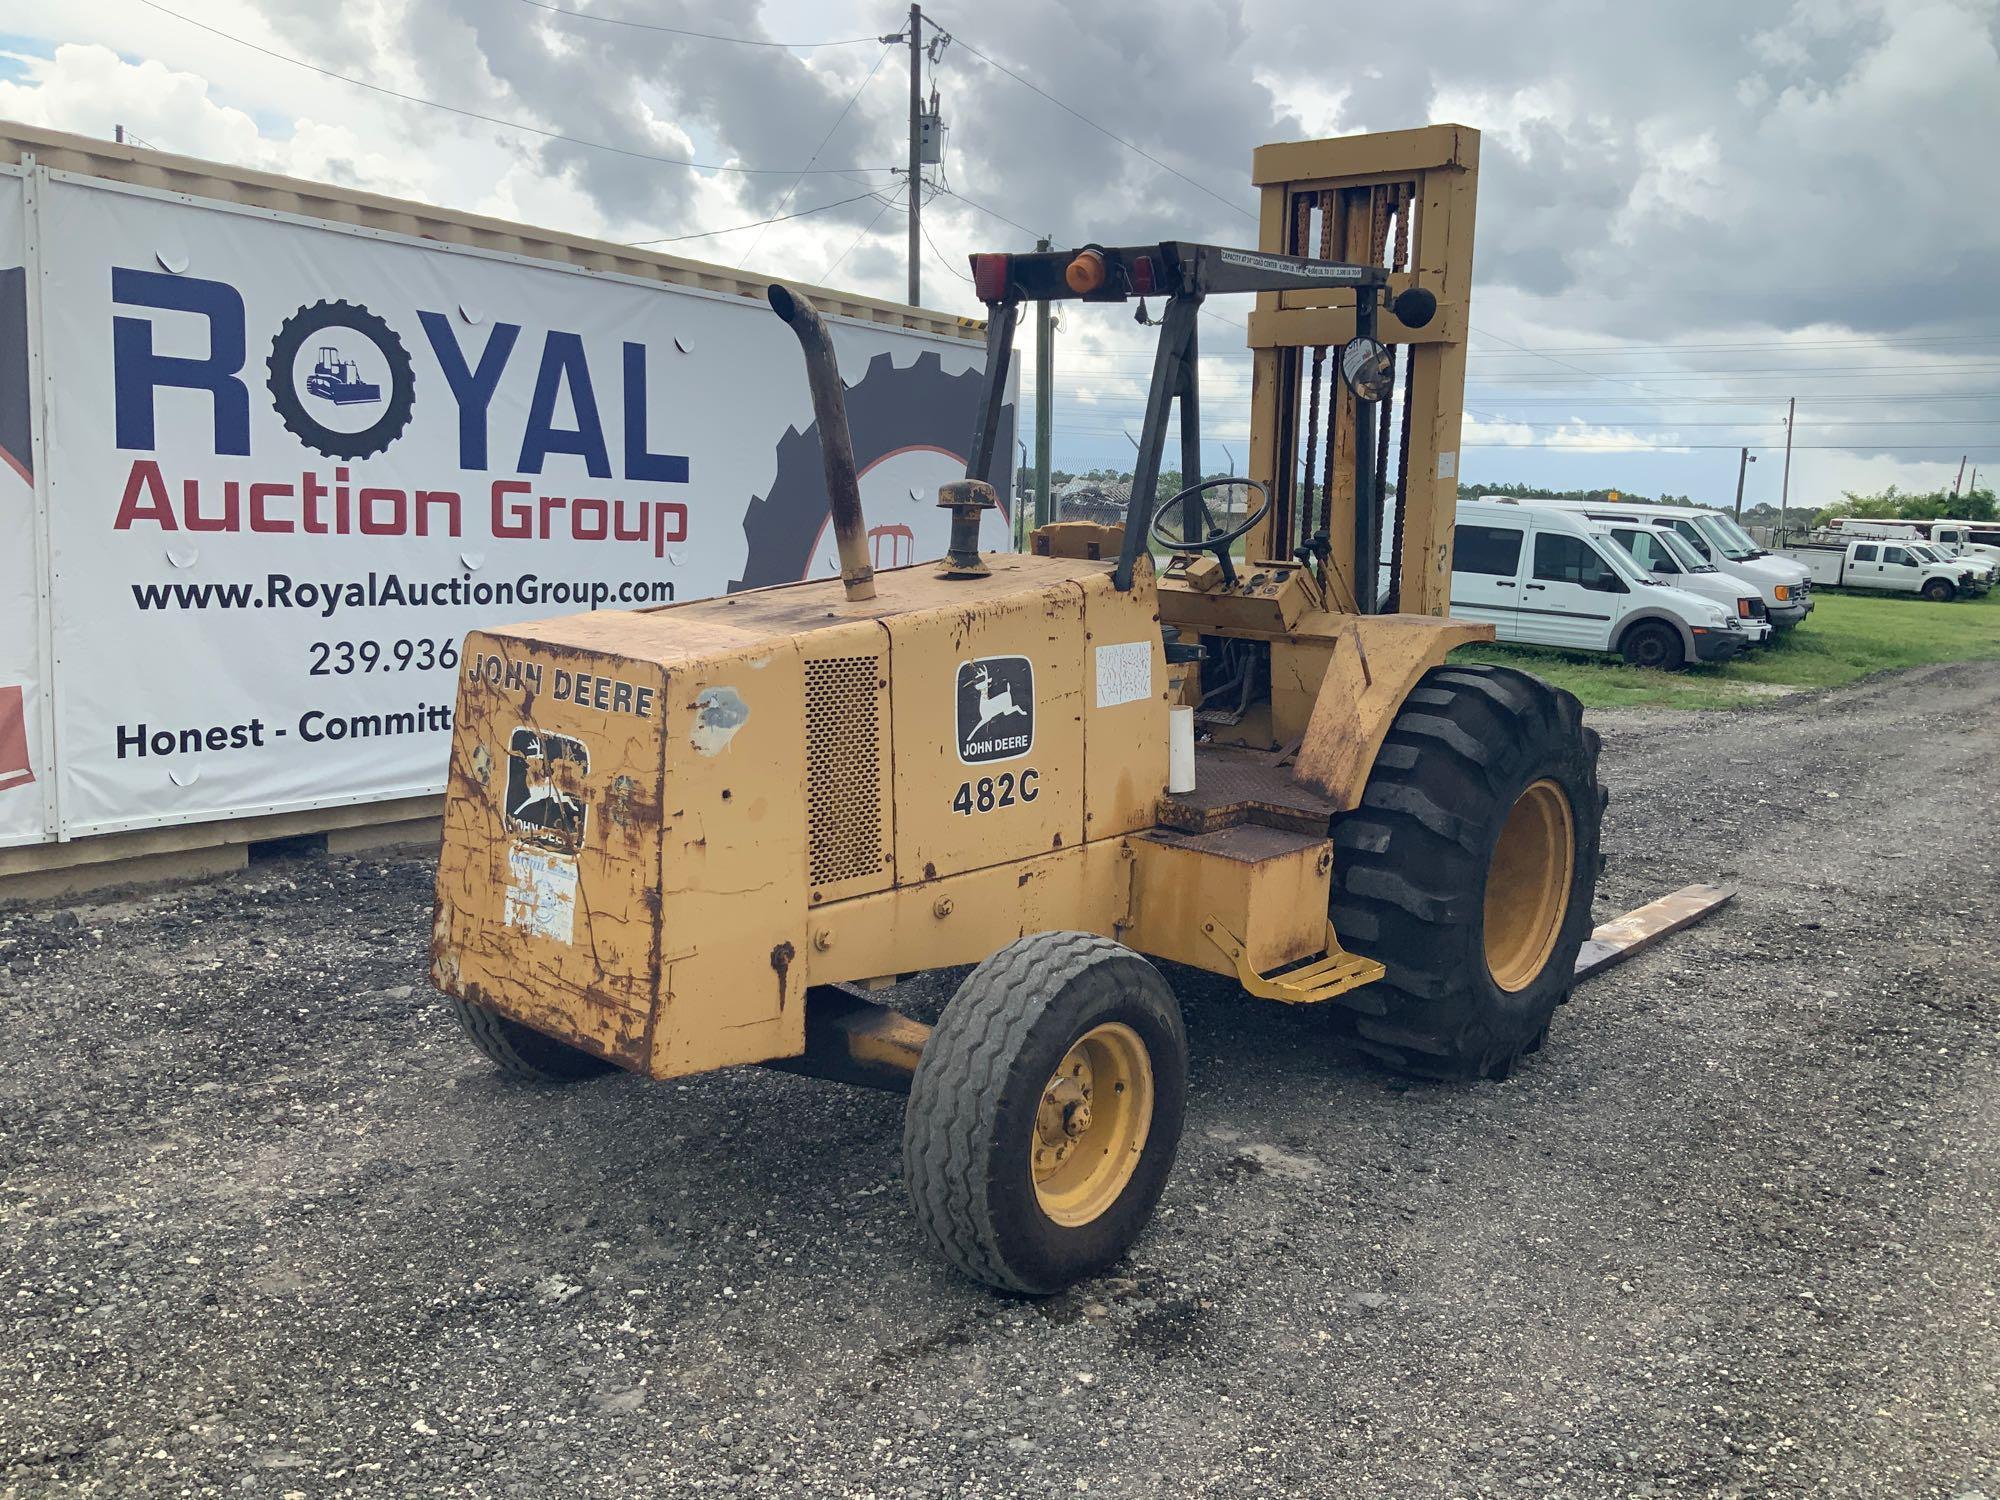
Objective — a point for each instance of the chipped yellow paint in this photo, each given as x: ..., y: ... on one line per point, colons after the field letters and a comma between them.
x: 1376, y: 660
x: 713, y: 846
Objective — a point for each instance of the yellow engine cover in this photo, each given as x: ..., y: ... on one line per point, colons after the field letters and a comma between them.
x: 647, y: 809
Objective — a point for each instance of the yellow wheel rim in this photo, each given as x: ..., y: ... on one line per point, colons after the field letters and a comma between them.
x: 1527, y: 885
x: 1091, y: 1125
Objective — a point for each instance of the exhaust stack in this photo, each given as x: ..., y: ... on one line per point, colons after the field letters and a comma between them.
x: 836, y: 446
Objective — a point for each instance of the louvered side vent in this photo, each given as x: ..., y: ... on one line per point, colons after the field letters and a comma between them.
x: 844, y: 768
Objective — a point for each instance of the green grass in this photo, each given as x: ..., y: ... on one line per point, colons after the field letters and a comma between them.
x: 1847, y: 636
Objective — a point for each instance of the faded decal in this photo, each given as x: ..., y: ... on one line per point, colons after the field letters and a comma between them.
x: 544, y: 786
x: 1124, y: 673
x: 718, y: 713
x: 541, y: 893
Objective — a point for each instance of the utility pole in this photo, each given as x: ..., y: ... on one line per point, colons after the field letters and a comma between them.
x: 1045, y: 404
x: 915, y: 183
x: 1961, y: 474
x: 1785, y: 489
x: 1742, y: 464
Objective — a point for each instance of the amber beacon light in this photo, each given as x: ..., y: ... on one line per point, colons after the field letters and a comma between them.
x: 1085, y: 274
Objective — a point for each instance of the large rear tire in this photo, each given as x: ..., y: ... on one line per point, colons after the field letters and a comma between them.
x: 1045, y: 1111
x: 1469, y: 869
x: 523, y: 1052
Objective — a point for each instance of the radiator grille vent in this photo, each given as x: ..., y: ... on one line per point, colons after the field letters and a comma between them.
x: 844, y: 769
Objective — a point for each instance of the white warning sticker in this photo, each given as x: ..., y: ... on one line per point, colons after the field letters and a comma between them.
x: 1124, y: 673
x: 541, y: 893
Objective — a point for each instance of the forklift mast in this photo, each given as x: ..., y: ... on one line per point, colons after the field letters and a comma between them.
x: 1402, y: 201
x: 1364, y: 240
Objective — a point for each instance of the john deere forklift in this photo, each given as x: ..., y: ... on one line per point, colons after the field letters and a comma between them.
x: 704, y: 835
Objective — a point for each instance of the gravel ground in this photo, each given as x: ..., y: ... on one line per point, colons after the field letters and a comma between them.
x: 271, y: 1228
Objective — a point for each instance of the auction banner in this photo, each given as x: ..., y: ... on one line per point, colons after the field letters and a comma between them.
x: 291, y: 464
x: 22, y: 757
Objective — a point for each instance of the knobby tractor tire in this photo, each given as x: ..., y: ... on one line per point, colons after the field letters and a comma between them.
x: 986, y: 1115
x: 523, y: 1052
x: 1653, y: 643
x: 1455, y: 872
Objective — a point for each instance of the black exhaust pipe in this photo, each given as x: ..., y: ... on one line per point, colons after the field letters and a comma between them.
x: 836, y: 446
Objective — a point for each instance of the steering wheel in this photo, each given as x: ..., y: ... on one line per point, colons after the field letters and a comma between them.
x: 1168, y: 520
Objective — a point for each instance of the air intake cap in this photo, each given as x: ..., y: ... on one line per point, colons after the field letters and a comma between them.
x: 966, y: 499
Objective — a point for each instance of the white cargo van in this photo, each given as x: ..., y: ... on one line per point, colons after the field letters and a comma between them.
x: 1666, y: 554
x: 1785, y: 586
x: 1544, y: 577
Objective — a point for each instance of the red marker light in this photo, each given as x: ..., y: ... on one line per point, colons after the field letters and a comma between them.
x: 1143, y: 279
x: 989, y: 277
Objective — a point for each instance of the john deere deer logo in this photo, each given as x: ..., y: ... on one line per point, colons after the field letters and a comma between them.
x: 996, y: 709
x: 544, y: 786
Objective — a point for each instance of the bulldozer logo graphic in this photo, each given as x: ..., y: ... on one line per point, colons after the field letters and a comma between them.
x: 341, y: 380
x: 544, y: 786
x: 337, y: 378
x: 996, y: 709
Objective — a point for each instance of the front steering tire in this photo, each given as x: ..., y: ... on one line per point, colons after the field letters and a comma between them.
x: 1045, y: 1111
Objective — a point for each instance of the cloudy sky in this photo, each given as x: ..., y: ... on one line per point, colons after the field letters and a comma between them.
x: 1688, y: 211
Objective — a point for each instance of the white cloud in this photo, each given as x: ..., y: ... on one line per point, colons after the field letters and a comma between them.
x: 1682, y: 175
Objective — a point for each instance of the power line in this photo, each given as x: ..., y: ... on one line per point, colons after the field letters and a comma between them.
x: 1838, y: 425
x: 1523, y: 348
x: 1778, y: 344
x: 1759, y: 372
x: 674, y: 239
x: 473, y: 114
x: 1596, y: 447
x: 846, y: 109
x: 1101, y: 130
x: 706, y: 36
x: 994, y: 213
x: 926, y: 230
x: 1841, y: 398
x: 887, y: 204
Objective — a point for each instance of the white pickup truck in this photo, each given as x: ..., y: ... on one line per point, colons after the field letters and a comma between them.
x: 1979, y: 573
x: 1891, y: 567
x: 1954, y: 538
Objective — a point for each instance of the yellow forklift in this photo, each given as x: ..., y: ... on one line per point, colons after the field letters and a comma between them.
x: 699, y: 836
